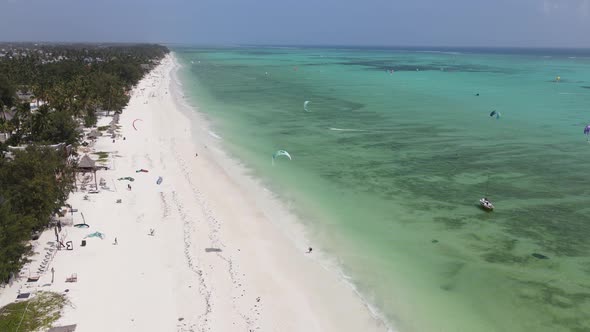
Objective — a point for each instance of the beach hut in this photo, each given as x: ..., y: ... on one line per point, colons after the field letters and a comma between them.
x: 112, y: 128
x: 86, y: 165
x: 94, y: 134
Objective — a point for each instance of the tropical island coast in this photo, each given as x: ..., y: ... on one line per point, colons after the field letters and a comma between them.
x: 163, y: 232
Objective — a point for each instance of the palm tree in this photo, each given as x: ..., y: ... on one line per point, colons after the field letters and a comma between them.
x: 40, y: 121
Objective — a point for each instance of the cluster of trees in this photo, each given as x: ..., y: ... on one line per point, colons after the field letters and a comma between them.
x: 76, y: 80
x: 73, y: 82
x: 32, y: 187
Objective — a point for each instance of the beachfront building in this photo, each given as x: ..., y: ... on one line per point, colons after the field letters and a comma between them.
x: 4, y: 137
x: 24, y: 96
x: 36, y: 103
x: 7, y: 114
x: 86, y: 166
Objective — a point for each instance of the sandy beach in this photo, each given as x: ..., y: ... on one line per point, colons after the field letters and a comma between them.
x: 208, y: 249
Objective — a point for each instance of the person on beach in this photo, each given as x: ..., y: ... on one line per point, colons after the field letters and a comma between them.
x: 309, y: 250
x: 129, y: 187
x: 115, y: 243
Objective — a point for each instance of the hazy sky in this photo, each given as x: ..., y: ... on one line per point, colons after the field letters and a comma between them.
x: 341, y: 22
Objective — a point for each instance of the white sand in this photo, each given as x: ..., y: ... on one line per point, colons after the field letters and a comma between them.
x: 258, y: 276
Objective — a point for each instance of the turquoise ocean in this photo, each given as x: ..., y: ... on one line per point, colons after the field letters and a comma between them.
x: 392, y: 156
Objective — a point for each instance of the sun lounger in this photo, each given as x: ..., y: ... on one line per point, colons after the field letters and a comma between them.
x: 23, y: 296
x: 72, y: 278
x: 68, y: 328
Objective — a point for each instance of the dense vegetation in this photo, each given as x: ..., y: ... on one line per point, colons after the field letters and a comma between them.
x: 72, y: 80
x: 32, y: 186
x: 70, y: 83
x: 36, y: 314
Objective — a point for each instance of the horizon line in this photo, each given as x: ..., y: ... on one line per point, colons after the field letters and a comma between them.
x: 303, y: 45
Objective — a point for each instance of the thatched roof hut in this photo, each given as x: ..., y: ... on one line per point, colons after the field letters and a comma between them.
x: 86, y: 163
x: 94, y: 134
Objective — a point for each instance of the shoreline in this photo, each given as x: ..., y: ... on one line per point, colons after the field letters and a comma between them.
x: 218, y: 258
x: 277, y: 211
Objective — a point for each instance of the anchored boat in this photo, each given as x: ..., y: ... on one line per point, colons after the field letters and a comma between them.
x: 486, y: 204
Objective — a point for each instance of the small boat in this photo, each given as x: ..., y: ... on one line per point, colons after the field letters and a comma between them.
x: 486, y: 204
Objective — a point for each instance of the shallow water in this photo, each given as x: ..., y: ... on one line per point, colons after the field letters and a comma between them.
x: 388, y: 167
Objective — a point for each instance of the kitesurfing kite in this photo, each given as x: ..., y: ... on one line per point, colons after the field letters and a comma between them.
x: 136, y: 121
x: 280, y: 153
x: 305, y: 105
x: 495, y: 114
x: 587, y: 132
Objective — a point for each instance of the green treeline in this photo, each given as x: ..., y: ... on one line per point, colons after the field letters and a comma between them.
x: 33, y: 186
x: 46, y: 93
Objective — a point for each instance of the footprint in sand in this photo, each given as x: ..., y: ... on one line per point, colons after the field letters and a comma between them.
x: 139, y: 218
x: 148, y: 160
